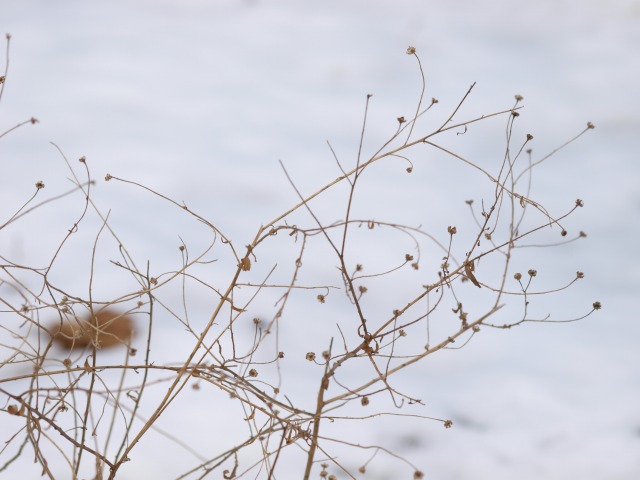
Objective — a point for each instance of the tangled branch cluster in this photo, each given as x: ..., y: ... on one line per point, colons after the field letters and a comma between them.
x: 79, y: 391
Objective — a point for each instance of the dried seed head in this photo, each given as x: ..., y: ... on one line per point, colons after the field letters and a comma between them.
x: 563, y: 232
x: 415, y: 265
x: 2, y: 79
x: 448, y: 424
x: 597, y: 305
x: 362, y: 469
x: 452, y: 230
x: 408, y: 257
x: 517, y: 276
x: 529, y: 137
x: 358, y: 267
x: 402, y: 333
x: 326, y: 355
x: 82, y: 159
x: 253, y: 372
x: 515, y: 114
x: 469, y: 202
x: 40, y: 185
x: 67, y: 363
x: 579, y: 275
x: 181, y: 248
x: 582, y: 234
x: 153, y: 281
x: 519, y: 98
x: 280, y: 354
x: 590, y: 125
x: 257, y: 321
x: 418, y: 475
x: 310, y: 356
x: 245, y: 264
x: 579, y: 203
x: 107, y: 177
x: 321, y: 298
x: 364, y: 401
x: 532, y: 272
x: 411, y: 51
x: 33, y: 120
x: 362, y: 289
x: 401, y: 120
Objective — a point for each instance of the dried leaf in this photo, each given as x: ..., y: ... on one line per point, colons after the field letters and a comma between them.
x: 468, y: 270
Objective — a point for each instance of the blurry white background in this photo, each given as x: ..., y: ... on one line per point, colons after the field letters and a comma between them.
x: 200, y: 100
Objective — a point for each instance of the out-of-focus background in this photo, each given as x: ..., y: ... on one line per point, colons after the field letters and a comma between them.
x: 200, y: 100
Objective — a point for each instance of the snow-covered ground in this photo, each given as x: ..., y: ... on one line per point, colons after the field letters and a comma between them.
x: 200, y: 99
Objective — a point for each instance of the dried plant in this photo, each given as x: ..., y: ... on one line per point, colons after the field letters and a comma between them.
x: 356, y: 304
